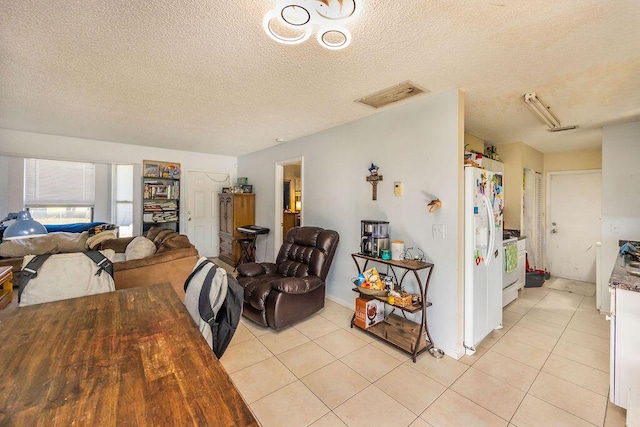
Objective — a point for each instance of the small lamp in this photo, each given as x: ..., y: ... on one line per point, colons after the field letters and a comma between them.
x: 23, y: 227
x: 298, y: 205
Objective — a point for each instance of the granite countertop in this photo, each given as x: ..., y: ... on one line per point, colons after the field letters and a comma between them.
x: 621, y: 278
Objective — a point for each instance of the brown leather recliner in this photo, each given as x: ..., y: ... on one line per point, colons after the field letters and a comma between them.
x: 277, y: 295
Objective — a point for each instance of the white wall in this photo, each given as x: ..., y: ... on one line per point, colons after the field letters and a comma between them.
x: 620, y: 192
x: 27, y: 144
x: 418, y: 143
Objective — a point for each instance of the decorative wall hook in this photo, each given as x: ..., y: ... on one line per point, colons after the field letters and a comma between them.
x: 434, y: 205
x: 374, y: 179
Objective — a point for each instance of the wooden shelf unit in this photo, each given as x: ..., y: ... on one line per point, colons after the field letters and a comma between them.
x: 409, y: 336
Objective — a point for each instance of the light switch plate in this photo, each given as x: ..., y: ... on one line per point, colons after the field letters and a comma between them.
x: 397, y: 188
x: 438, y: 231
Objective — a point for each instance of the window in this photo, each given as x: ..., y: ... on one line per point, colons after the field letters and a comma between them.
x: 123, y: 196
x: 58, y: 192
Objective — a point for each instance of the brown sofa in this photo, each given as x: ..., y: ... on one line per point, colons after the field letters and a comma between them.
x: 277, y: 295
x: 174, y: 259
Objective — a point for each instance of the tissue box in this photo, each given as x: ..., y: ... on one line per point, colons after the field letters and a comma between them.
x: 368, y: 312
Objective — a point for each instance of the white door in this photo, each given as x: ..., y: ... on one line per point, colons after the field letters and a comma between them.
x: 574, y: 206
x: 203, y: 215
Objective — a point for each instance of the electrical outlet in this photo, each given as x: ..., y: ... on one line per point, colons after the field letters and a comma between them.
x: 438, y: 231
x: 397, y: 188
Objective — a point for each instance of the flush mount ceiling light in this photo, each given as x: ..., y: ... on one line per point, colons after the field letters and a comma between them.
x: 544, y: 113
x: 293, y: 21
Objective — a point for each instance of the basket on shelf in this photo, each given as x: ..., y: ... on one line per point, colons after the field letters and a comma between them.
x: 405, y: 300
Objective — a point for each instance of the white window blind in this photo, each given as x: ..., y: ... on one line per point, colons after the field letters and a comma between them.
x: 56, y: 183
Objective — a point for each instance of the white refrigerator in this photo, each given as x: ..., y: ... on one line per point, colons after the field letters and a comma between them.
x: 483, y: 255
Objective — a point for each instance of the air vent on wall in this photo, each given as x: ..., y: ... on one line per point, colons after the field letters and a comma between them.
x: 393, y: 94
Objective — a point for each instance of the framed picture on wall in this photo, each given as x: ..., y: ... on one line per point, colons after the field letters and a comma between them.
x: 247, y: 188
x: 151, y: 169
x: 226, y: 189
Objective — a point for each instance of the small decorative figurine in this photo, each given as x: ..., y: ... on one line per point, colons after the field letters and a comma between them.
x: 374, y: 178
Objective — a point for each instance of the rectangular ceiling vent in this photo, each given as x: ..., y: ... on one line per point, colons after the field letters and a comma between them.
x: 393, y: 94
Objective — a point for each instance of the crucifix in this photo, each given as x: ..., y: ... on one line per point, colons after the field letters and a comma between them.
x: 374, y: 179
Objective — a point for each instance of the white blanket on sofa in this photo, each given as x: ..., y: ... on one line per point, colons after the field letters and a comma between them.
x: 65, y: 276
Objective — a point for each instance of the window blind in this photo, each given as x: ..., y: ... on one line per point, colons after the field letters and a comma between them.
x: 56, y: 183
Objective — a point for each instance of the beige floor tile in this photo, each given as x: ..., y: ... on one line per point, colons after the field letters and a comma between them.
x: 534, y: 412
x: 362, y: 334
x: 505, y: 369
x: 584, y: 355
x: 254, y: 328
x: 489, y: 392
x: 454, y: 410
x: 615, y: 417
x: 257, y: 381
x: 569, y: 397
x: 329, y: 420
x: 338, y: 314
x: 594, y: 324
x: 315, y: 327
x: 470, y: 360
x: 305, y: 359
x: 539, y: 315
x: 241, y: 335
x: 419, y: 422
x: 560, y: 302
x: 533, y: 293
x: 244, y: 354
x: 283, y: 340
x: 588, y: 303
x: 371, y: 362
x: 391, y: 350
x: 521, y: 305
x: 358, y: 411
x: 340, y: 343
x: 521, y: 352
x: 535, y: 325
x: 335, y: 383
x: 490, y: 340
x: 509, y: 318
x: 445, y: 370
x: 578, y: 374
x: 585, y: 339
x: 412, y: 389
x: 293, y: 405
x: 533, y: 338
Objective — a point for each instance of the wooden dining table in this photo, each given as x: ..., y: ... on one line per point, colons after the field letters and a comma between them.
x: 131, y: 357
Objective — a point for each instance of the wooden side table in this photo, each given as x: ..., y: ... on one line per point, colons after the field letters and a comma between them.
x: 6, y: 283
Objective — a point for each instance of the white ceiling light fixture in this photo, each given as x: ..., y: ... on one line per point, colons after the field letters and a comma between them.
x: 293, y: 21
x: 544, y: 113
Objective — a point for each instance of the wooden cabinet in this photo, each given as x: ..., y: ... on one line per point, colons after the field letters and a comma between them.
x: 289, y: 220
x: 236, y: 210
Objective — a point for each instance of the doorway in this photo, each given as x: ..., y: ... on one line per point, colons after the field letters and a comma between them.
x: 202, y: 215
x: 289, y: 197
x: 574, y: 207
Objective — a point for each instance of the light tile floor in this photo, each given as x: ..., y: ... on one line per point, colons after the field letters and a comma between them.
x: 548, y: 366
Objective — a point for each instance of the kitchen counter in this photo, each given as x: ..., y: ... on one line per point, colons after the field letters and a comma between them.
x: 620, y: 277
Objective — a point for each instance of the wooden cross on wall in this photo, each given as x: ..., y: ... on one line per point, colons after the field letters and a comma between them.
x: 374, y: 179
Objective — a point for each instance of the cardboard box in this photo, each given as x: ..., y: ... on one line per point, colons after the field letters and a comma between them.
x: 368, y: 312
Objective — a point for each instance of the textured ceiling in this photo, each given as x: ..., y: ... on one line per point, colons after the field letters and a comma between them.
x: 201, y: 75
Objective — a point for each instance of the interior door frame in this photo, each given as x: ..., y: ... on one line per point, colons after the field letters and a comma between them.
x: 548, y: 211
x: 278, y: 214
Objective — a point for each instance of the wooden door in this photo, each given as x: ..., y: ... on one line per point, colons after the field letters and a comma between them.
x: 202, y: 217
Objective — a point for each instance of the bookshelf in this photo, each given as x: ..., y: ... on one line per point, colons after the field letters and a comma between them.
x: 160, y: 195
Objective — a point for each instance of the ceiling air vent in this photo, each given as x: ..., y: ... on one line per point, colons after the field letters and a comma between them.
x: 393, y: 94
